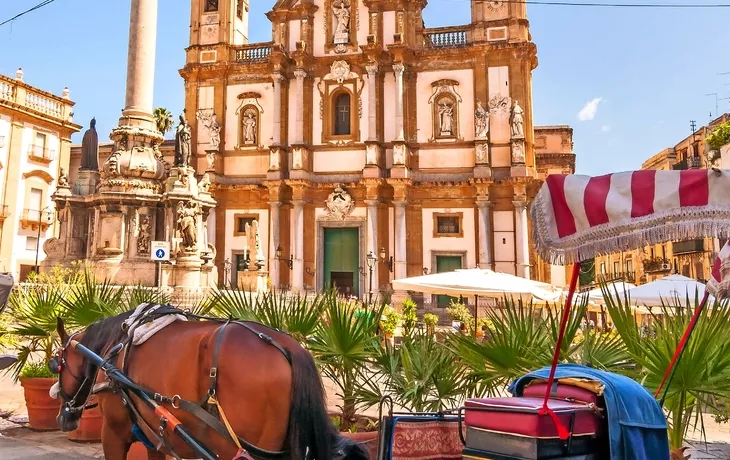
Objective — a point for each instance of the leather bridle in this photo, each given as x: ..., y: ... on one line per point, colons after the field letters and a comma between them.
x: 57, y: 365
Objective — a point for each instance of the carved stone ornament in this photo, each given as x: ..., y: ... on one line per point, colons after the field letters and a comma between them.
x: 482, y: 153
x: 274, y: 159
x: 208, y: 118
x: 371, y: 154
x: 499, y: 104
x: 516, y: 122
x: 297, y: 160
x: 399, y: 154
x: 518, y: 151
x: 339, y: 72
x: 481, y: 121
x: 187, y: 230
x: 204, y: 184
x: 143, y: 237
x: 339, y: 204
x: 495, y: 5
x: 53, y: 247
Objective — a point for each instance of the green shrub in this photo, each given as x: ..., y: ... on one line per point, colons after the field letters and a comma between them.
x: 410, y: 318
x: 431, y: 321
x: 459, y: 312
x: 36, y: 370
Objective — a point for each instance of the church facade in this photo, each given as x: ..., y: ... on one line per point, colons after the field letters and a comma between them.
x: 366, y: 146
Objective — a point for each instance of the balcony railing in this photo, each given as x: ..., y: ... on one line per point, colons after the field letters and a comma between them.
x: 657, y: 265
x: 26, y: 96
x: 445, y: 37
x: 629, y: 277
x: 688, y: 247
x: 40, y: 153
x: 253, y: 53
x: 32, y: 218
x: 688, y: 163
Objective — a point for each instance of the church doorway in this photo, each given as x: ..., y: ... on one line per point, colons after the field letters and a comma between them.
x: 447, y: 263
x: 342, y: 260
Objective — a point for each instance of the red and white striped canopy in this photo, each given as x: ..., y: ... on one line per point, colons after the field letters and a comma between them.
x: 719, y: 283
x: 579, y: 217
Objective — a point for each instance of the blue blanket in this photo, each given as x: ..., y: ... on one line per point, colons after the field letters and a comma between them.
x: 637, y: 428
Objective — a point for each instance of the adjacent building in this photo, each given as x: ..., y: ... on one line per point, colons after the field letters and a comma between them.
x: 35, y: 140
x: 691, y: 258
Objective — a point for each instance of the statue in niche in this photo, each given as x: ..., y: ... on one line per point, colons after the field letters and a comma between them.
x: 186, y: 228
x: 249, y: 127
x: 90, y: 148
x: 143, y: 239
x: 215, y: 133
x: 341, y: 11
x: 62, y: 178
x: 182, y: 142
x: 481, y: 120
x: 518, y: 152
x: 517, y: 128
x: 204, y: 184
x: 446, y: 118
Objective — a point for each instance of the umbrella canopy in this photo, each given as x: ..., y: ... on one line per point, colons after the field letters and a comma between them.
x: 478, y: 282
x: 666, y: 290
x: 596, y: 295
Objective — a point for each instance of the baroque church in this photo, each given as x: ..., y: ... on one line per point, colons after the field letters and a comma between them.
x: 363, y: 142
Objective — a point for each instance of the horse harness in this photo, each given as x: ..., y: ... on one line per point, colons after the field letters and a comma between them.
x: 206, y: 409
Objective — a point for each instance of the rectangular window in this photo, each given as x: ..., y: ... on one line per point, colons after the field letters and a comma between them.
x: 35, y: 204
x: 448, y: 225
x: 240, y: 221
x: 31, y: 243
x: 39, y: 145
x: 616, y: 267
x: 603, y: 268
x: 629, y: 266
x: 211, y: 6
x: 239, y: 10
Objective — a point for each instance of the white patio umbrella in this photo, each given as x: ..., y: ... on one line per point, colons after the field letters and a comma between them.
x: 595, y: 296
x: 668, y: 290
x: 479, y: 282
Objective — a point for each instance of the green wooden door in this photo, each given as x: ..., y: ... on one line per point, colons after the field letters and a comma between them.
x: 341, y: 260
x: 446, y: 264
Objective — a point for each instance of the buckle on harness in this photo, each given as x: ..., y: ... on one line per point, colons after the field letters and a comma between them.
x: 213, y: 372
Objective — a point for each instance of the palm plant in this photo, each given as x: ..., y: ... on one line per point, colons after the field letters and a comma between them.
x: 702, y: 374
x: 163, y: 119
x: 342, y: 345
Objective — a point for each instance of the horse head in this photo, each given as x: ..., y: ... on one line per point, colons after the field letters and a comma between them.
x: 74, y: 384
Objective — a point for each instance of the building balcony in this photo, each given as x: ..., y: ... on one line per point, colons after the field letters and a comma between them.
x: 688, y: 163
x: 32, y: 218
x: 657, y: 265
x: 34, y: 100
x: 41, y: 154
x: 610, y: 277
x: 445, y: 37
x: 255, y: 52
x: 688, y: 247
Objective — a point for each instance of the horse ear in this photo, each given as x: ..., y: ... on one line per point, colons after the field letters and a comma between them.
x: 61, y: 330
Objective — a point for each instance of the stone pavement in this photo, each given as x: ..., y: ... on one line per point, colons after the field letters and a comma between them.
x: 12, y: 448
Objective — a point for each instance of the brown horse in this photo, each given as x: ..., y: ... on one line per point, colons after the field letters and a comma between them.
x: 267, y: 386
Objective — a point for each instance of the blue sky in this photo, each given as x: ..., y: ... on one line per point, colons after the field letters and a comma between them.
x: 627, y: 80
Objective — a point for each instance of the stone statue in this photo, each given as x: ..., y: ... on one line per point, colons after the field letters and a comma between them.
x: 143, y: 239
x: 342, y: 13
x: 182, y: 142
x: 204, y: 184
x: 481, y: 120
x: 62, y: 178
x: 249, y: 128
x: 517, y: 129
x: 446, y: 118
x: 186, y: 227
x: 482, y: 153
x: 210, y: 159
x: 260, y: 259
x: 215, y: 134
x: 518, y: 152
x: 90, y: 148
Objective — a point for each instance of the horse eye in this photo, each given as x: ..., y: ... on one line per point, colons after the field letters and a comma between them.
x: 54, y: 366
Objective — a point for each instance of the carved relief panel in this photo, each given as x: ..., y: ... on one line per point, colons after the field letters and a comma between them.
x: 341, y: 22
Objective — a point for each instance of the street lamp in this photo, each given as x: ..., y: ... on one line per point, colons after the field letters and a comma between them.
x: 388, y: 262
x: 371, y: 259
x: 38, y: 238
x: 289, y: 262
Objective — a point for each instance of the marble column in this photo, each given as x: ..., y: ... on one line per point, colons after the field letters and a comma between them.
x: 372, y: 242
x: 297, y: 227
x: 278, y: 79
x: 274, y: 242
x: 372, y: 102
x: 141, y: 59
x: 485, y: 234
x: 299, y: 127
x: 211, y: 227
x: 400, y: 240
x: 521, y: 239
x: 398, y: 69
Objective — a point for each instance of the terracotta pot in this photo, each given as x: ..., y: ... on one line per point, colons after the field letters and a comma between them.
x: 368, y: 439
x: 89, y: 429
x: 42, y: 409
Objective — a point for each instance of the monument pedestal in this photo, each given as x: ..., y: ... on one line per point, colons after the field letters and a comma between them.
x: 86, y: 182
x: 253, y: 281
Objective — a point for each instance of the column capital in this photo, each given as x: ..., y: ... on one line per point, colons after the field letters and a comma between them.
x: 398, y: 68
x: 277, y: 77
x: 298, y: 203
x: 484, y: 204
x: 520, y: 204
x: 299, y: 74
x: 400, y: 203
x: 371, y: 203
x: 275, y: 204
x: 372, y: 69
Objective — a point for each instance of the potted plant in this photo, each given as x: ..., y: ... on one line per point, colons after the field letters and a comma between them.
x: 391, y: 318
x: 410, y: 318
x: 431, y: 321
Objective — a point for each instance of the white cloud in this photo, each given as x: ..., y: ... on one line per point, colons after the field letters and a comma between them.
x: 588, y: 112
x: 605, y: 128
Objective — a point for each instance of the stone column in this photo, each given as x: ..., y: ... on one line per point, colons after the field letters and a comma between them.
x: 400, y: 240
x: 372, y: 102
x: 141, y: 59
x: 521, y: 239
x: 278, y: 78
x: 372, y: 243
x: 274, y: 242
x: 211, y: 227
x: 398, y: 69
x: 297, y: 227
x: 299, y: 128
x: 485, y: 234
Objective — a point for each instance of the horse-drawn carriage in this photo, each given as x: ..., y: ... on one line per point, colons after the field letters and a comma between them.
x: 166, y: 387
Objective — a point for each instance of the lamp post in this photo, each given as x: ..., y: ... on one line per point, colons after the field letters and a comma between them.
x: 38, y: 239
x: 371, y: 259
x: 289, y: 262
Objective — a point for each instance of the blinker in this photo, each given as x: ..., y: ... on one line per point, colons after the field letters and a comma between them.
x: 54, y: 366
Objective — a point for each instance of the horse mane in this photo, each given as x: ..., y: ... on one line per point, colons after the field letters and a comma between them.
x: 106, y: 332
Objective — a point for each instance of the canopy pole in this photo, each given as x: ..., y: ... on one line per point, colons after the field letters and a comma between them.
x: 476, y: 314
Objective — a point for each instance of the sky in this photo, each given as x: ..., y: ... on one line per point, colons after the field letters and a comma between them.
x: 628, y: 80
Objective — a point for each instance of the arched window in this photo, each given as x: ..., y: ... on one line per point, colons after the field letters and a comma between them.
x: 341, y: 118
